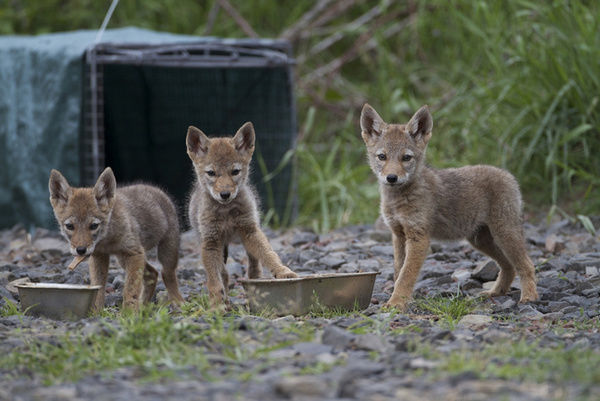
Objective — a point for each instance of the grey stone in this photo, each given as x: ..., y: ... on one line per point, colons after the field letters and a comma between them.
x: 506, y: 305
x: 486, y: 271
x: 234, y: 269
x: 383, y: 250
x: 307, y: 386
x: 592, y: 292
x: 422, y: 363
x: 371, y: 342
x: 555, y: 306
x: 554, y: 284
x: 461, y: 275
x: 530, y: 312
x: 304, y: 237
x: 553, y: 316
x: 118, y: 282
x: 337, y: 337
x: 470, y: 285
x: 581, y: 262
x: 475, y: 321
x: 188, y: 274
x: 310, y: 348
x: 332, y: 262
x: 309, y: 266
x: 368, y: 265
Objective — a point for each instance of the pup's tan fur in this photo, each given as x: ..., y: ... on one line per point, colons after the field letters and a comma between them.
x: 479, y: 203
x: 223, y: 205
x: 126, y: 222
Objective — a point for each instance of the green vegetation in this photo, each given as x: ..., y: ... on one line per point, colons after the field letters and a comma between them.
x: 526, y: 361
x: 447, y: 309
x: 10, y: 309
x: 156, y: 343
x: 514, y: 84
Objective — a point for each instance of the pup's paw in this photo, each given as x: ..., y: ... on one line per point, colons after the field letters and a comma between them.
x: 531, y: 297
x: 399, y: 306
x: 528, y: 291
x: 493, y: 292
x: 286, y: 274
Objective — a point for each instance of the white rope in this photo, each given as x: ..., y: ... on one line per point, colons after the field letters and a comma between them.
x: 109, y: 13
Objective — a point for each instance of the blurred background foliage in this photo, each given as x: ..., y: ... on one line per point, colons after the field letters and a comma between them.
x: 513, y: 83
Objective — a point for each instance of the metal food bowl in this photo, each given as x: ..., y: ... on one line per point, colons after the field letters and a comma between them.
x: 298, y: 296
x: 57, y: 301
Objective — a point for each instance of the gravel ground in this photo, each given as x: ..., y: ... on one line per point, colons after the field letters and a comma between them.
x: 395, y: 356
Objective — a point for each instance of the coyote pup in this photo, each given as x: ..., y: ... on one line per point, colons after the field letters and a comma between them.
x: 480, y: 203
x: 223, y: 204
x: 126, y: 222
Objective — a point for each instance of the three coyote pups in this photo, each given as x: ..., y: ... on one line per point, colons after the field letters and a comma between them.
x: 125, y: 222
x: 479, y: 203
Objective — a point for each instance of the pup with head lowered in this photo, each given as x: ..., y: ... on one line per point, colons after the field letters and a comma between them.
x: 480, y: 203
x: 224, y: 205
x: 126, y: 222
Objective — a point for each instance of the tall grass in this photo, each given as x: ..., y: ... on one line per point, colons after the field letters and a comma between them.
x: 514, y: 84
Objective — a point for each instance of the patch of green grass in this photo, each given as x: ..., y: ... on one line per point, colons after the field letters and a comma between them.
x: 328, y: 312
x: 148, y: 340
x: 379, y: 324
x: 10, y: 309
x: 154, y: 342
x: 526, y: 361
x: 305, y: 332
x: 448, y: 309
x: 318, y: 368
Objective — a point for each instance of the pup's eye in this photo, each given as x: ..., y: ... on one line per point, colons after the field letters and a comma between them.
x: 235, y: 171
x: 210, y: 173
x: 407, y: 158
x: 381, y: 156
x: 69, y: 226
x: 93, y: 226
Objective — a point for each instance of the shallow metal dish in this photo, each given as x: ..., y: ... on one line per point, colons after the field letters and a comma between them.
x: 57, y: 301
x: 298, y: 296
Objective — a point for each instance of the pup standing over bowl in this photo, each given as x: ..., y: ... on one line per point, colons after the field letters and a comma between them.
x: 126, y: 222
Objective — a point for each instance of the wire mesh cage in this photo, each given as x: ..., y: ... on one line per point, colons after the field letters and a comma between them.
x: 139, y: 100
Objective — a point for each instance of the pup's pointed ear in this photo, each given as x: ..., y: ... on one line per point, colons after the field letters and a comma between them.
x: 105, y: 188
x: 197, y: 142
x: 371, y: 124
x: 244, y: 139
x: 421, y: 124
x: 60, y: 190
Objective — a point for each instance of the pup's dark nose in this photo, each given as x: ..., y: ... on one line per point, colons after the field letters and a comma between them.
x: 391, y: 178
x: 225, y: 195
x: 81, y: 250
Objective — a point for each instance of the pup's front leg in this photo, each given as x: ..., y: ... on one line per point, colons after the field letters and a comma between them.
x: 212, y: 260
x: 416, y: 247
x: 98, y: 276
x: 257, y: 245
x: 398, y: 239
x: 134, y: 266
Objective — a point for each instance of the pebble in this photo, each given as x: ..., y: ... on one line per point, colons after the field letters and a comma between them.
x: 307, y: 386
x: 475, y: 321
x: 486, y: 271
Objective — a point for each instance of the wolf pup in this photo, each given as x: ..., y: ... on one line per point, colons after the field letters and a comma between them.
x: 479, y: 203
x: 126, y: 222
x: 223, y: 205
